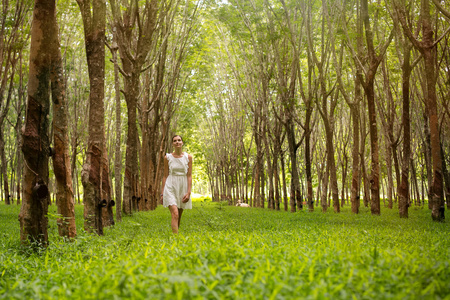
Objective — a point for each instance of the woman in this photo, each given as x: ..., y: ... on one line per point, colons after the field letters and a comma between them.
x: 177, y: 182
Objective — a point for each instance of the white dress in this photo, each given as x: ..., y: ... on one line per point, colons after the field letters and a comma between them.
x: 176, y: 183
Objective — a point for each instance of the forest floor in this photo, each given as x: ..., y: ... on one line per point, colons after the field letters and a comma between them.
x: 225, y: 252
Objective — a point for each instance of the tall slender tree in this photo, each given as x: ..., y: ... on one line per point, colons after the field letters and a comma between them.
x: 133, y: 26
x: 33, y: 212
x: 93, y: 13
x: 427, y: 46
x: 60, y: 153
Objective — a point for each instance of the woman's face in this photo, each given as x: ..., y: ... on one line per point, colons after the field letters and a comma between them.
x: 177, y: 141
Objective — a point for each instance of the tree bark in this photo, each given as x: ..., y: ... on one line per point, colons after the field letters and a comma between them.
x: 403, y: 191
x: 33, y: 212
x: 12, y: 18
x: 134, y: 28
x: 19, y: 155
x: 428, y: 48
x: 117, y: 150
x: 94, y: 20
x: 368, y: 85
x: 60, y: 155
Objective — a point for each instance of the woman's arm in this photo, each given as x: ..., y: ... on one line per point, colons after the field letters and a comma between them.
x: 189, y: 180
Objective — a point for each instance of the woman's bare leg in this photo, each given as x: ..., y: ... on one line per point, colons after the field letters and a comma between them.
x: 175, y: 218
x: 180, y: 212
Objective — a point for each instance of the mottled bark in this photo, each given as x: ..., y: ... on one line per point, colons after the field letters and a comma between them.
x: 133, y: 31
x: 428, y: 48
x: 118, y: 124
x: 19, y: 154
x: 403, y: 190
x: 33, y: 212
x: 4, y: 167
x: 309, y: 189
x: 107, y: 202
x: 446, y: 177
x: 60, y: 155
x: 12, y: 42
x: 368, y: 84
x: 355, y: 186
x: 324, y: 192
x: 94, y: 19
x: 295, y: 181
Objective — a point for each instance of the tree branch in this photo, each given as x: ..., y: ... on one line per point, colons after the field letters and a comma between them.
x: 445, y: 12
x: 442, y: 36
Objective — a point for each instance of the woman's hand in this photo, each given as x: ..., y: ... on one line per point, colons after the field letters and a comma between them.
x: 186, y: 198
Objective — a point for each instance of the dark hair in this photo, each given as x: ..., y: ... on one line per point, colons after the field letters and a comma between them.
x: 176, y: 136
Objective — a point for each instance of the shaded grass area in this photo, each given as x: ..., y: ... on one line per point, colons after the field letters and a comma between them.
x: 227, y: 252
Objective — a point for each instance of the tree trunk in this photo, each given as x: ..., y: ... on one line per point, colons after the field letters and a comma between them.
x: 403, y: 191
x: 94, y: 20
x: 19, y: 136
x: 117, y: 151
x: 365, y: 180
x: 309, y: 188
x: 283, y: 176
x: 446, y: 177
x: 332, y: 167
x: 355, y: 187
x: 324, y: 195
x: 131, y: 38
x: 375, y: 164
x: 373, y: 61
x: 60, y: 155
x: 33, y: 212
x: 429, y: 54
x: 295, y: 181
x: 428, y: 48
x: 438, y: 208
x: 107, y: 203
x: 427, y: 154
x: 4, y: 167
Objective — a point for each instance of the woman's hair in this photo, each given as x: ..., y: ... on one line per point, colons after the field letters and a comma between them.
x: 176, y: 136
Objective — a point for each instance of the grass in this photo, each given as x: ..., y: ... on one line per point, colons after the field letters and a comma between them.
x: 227, y: 252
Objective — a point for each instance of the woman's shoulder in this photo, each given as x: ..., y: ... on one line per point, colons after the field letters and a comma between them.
x: 188, y: 155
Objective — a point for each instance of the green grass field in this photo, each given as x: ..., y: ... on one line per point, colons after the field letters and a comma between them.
x: 227, y: 252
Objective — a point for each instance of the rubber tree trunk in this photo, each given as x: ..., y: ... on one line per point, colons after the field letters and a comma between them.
x: 355, y: 186
x: 295, y: 181
x: 93, y: 13
x: 4, y: 165
x: 309, y: 188
x: 429, y: 54
x: 61, y: 160
x: 117, y: 150
x: 33, y: 212
x: 403, y: 191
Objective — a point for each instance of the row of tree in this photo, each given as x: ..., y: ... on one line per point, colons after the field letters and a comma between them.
x: 281, y: 102
x: 148, y: 43
x: 315, y: 83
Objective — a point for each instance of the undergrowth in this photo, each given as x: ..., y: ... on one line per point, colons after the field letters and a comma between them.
x: 225, y: 252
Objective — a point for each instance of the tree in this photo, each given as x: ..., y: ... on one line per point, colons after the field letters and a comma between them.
x: 12, y: 43
x: 367, y: 78
x: 93, y: 13
x: 133, y: 27
x: 117, y: 152
x: 60, y: 152
x: 33, y: 212
x: 427, y: 46
x: 325, y: 95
